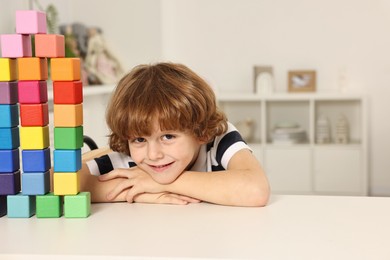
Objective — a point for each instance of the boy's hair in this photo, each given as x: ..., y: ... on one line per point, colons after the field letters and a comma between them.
x: 173, y: 94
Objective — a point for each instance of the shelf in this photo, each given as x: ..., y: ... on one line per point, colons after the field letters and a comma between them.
x: 306, y: 167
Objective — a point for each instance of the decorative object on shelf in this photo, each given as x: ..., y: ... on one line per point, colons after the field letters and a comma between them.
x: 288, y: 133
x: 343, y: 80
x: 246, y: 129
x: 301, y: 81
x: 342, y: 130
x: 263, y: 80
x: 323, y: 130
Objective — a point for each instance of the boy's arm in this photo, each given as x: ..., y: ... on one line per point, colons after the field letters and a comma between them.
x: 244, y: 183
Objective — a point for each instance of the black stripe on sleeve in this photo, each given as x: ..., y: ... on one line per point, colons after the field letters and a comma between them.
x: 104, y: 164
x: 226, y: 142
x: 132, y: 164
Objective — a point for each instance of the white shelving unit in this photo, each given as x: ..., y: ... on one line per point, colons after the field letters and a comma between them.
x: 307, y: 167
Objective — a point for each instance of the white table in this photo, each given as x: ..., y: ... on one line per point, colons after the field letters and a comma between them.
x: 290, y: 227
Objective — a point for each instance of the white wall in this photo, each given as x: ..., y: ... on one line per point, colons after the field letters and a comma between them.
x: 223, y: 39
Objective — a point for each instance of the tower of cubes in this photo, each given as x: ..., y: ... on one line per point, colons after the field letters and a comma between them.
x: 35, y: 196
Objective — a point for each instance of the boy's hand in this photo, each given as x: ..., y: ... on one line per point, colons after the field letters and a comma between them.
x: 137, y: 182
x: 164, y: 198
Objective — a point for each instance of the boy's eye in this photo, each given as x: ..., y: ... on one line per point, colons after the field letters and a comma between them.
x: 168, y: 137
x: 139, y: 140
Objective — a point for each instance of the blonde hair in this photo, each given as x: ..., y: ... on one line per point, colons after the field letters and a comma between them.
x: 171, y: 93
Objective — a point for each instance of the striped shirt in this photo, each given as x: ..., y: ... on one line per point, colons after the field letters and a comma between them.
x: 213, y: 156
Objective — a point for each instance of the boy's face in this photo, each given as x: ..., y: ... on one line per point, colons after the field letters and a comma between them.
x: 165, y: 154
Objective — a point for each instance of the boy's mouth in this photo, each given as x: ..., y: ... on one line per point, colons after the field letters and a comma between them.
x: 160, y: 168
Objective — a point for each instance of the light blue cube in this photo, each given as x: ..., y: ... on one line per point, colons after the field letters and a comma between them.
x: 35, y: 183
x: 20, y: 206
x: 67, y: 160
x: 9, y: 115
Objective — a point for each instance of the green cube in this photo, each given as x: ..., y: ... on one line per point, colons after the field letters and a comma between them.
x: 68, y: 137
x: 77, y: 206
x: 48, y: 206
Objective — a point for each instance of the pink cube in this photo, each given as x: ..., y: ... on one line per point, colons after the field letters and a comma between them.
x: 32, y: 92
x: 15, y: 45
x: 30, y: 22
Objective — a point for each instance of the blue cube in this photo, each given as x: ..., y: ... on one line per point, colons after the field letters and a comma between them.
x: 67, y: 160
x: 36, y: 160
x: 20, y: 206
x: 9, y: 160
x: 35, y: 183
x: 9, y: 115
x: 9, y: 138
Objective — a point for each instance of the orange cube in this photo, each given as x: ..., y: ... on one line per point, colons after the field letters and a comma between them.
x: 32, y: 68
x: 49, y: 45
x: 65, y: 69
x: 68, y: 115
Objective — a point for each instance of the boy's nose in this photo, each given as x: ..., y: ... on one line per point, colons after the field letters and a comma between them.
x: 154, y: 151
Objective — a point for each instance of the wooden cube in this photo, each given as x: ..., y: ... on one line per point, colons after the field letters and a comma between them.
x: 35, y: 183
x: 10, y: 183
x: 68, y: 92
x: 77, y: 206
x: 65, y: 69
x: 32, y: 68
x: 8, y: 69
x: 34, y: 114
x: 15, y: 45
x: 9, y: 115
x: 68, y: 115
x: 49, y: 45
x: 9, y: 92
x: 20, y: 206
x: 66, y: 183
x: 32, y: 92
x: 36, y: 160
x: 9, y: 138
x: 9, y: 161
x: 68, y: 137
x: 49, y: 206
x: 34, y: 137
x: 30, y: 22
x: 67, y: 160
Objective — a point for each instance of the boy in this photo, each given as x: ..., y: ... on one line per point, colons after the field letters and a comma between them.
x: 173, y: 145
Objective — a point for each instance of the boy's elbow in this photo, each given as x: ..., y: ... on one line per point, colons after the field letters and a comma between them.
x: 259, y: 196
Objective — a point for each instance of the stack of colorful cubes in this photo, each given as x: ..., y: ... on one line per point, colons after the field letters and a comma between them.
x: 34, y: 132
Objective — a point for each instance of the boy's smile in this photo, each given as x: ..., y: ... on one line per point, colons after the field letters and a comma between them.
x: 165, y: 154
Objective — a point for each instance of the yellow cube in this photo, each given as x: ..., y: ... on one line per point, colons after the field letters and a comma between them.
x: 8, y: 69
x: 34, y: 137
x: 65, y: 69
x: 68, y: 115
x: 66, y: 183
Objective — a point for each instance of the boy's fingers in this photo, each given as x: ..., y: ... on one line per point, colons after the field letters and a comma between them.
x: 123, y: 185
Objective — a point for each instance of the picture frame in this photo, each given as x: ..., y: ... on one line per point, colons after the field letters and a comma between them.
x: 302, y: 81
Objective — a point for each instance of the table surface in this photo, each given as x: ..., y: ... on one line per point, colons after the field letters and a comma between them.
x: 290, y: 227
